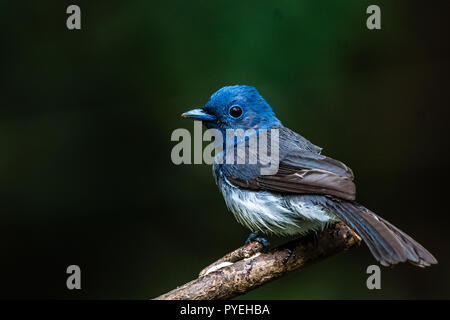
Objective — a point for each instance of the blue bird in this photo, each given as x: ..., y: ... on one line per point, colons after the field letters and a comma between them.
x: 308, y: 191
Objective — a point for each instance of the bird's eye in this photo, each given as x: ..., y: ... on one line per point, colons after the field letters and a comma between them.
x: 235, y: 111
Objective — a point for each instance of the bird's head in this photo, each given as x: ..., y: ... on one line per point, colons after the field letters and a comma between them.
x: 235, y: 107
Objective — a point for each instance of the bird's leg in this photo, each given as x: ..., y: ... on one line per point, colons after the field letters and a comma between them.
x: 251, y: 237
x: 315, y: 238
x: 256, y: 236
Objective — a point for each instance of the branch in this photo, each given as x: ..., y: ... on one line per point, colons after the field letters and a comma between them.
x: 248, y: 267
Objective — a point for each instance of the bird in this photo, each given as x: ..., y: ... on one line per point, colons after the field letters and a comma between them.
x: 307, y: 192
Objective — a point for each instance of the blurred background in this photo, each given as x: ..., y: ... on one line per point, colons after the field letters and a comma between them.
x: 86, y: 117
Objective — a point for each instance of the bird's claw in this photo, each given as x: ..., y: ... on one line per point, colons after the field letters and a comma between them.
x: 289, y: 255
x: 251, y: 237
x: 256, y: 237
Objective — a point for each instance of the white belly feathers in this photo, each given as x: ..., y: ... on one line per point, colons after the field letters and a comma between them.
x: 273, y: 213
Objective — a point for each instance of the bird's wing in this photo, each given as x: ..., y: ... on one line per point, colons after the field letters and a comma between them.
x: 304, y: 172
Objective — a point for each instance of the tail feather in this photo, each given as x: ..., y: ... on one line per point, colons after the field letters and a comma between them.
x: 417, y: 254
x: 388, y: 244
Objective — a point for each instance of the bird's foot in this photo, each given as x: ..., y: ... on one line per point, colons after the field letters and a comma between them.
x: 254, y: 236
x: 251, y: 237
x: 289, y: 255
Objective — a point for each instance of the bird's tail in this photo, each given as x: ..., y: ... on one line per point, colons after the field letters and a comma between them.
x: 388, y: 244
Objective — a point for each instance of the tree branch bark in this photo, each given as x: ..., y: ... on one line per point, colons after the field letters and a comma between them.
x: 247, y: 267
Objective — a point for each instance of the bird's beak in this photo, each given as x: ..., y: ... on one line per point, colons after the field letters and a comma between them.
x: 198, y: 114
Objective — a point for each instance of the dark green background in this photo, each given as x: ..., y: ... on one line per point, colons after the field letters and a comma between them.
x: 86, y: 117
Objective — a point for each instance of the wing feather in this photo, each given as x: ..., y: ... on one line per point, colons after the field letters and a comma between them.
x: 302, y: 170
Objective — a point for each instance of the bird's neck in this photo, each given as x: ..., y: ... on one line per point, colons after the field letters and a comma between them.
x: 239, y: 143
